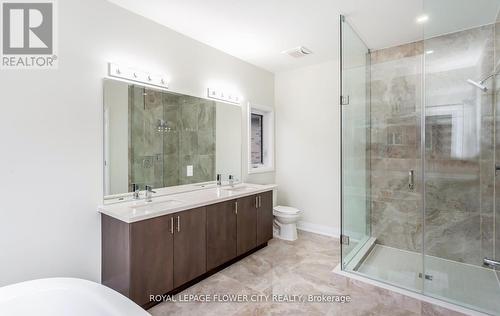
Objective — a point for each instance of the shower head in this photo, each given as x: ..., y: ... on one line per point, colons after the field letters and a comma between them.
x: 478, y: 84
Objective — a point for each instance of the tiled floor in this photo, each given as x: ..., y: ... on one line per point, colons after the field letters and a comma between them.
x: 303, y: 267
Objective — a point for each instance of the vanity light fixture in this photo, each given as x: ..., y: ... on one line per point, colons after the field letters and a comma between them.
x: 225, y: 96
x: 131, y: 74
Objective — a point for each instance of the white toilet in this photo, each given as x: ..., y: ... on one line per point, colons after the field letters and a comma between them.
x: 285, y: 222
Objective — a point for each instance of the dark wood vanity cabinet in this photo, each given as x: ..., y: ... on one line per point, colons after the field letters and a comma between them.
x: 246, y: 226
x: 167, y: 253
x: 238, y: 226
x: 137, y: 258
x: 153, y: 256
x: 221, y: 233
x: 151, y: 260
x: 254, y: 221
x: 189, y: 245
x: 265, y: 217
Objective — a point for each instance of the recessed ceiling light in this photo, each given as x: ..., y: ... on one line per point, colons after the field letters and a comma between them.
x: 422, y: 18
x: 430, y: 51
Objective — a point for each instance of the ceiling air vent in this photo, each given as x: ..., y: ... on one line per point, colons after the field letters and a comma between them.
x: 298, y: 52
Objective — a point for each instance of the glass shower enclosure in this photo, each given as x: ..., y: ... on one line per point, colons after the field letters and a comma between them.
x: 419, y: 158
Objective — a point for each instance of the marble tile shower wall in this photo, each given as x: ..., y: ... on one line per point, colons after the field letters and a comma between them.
x: 196, y: 139
x: 395, y: 146
x: 458, y: 146
x: 168, y: 133
x: 145, y: 142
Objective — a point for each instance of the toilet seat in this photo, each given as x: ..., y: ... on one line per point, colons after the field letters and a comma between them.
x: 285, y: 215
x: 286, y: 210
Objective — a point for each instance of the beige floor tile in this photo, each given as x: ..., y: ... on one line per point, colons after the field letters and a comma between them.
x: 303, y: 267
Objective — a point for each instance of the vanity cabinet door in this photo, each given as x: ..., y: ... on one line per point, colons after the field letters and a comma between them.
x: 246, y: 226
x: 151, y: 258
x: 265, y: 217
x: 190, y: 245
x: 221, y: 233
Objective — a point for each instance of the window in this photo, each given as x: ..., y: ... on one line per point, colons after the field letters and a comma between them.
x: 257, y: 140
x: 260, y: 139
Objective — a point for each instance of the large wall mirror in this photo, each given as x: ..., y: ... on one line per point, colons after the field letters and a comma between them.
x: 163, y: 139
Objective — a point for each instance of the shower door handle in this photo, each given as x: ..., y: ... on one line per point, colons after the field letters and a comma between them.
x: 411, y: 180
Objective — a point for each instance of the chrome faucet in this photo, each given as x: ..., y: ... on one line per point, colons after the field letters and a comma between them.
x: 135, y: 190
x: 219, y: 180
x: 149, y: 193
x: 231, y: 180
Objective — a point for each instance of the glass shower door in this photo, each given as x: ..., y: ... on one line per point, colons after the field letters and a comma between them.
x: 355, y: 140
x: 382, y: 165
x: 420, y: 152
x: 460, y: 119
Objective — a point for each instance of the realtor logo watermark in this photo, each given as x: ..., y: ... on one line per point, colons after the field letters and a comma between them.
x: 28, y: 35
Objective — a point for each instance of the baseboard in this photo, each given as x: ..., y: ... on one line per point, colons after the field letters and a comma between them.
x: 319, y: 229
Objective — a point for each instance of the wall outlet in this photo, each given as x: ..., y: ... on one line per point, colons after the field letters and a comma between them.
x: 189, y: 171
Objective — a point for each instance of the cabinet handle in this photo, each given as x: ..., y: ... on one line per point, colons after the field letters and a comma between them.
x: 236, y: 208
x: 172, y: 225
x: 256, y: 202
x: 178, y: 223
x: 260, y: 201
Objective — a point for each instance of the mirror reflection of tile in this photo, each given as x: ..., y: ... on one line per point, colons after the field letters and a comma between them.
x: 168, y: 133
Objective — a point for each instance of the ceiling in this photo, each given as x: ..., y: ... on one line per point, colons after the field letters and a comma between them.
x: 257, y: 31
x: 386, y: 23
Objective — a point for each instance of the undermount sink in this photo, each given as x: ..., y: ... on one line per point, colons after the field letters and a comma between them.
x: 238, y: 188
x: 206, y: 185
x: 144, y: 204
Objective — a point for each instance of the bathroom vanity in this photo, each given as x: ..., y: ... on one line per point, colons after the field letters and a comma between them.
x: 175, y: 241
x: 166, y: 222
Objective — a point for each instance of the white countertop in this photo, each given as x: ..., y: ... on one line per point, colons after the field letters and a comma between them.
x: 130, y: 212
x: 127, y: 197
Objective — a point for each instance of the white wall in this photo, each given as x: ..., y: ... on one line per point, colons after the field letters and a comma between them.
x: 51, y: 126
x: 308, y: 144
